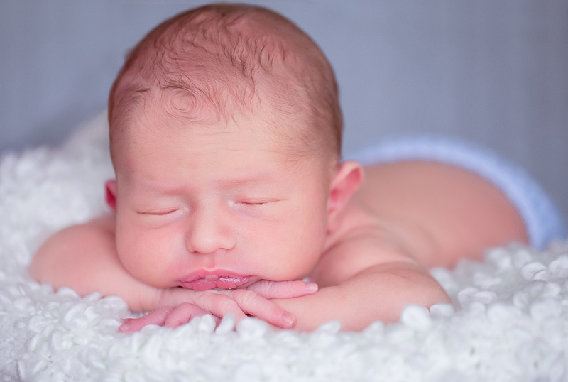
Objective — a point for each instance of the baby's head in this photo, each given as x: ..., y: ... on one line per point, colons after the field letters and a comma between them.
x: 220, y: 62
x: 225, y: 133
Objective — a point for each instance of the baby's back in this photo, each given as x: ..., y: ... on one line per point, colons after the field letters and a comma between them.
x: 446, y: 212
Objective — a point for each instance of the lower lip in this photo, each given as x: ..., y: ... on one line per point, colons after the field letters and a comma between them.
x: 222, y: 282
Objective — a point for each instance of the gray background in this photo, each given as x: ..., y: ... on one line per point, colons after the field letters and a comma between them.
x: 493, y: 72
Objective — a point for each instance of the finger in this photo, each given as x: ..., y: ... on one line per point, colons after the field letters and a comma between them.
x: 220, y: 305
x: 283, y: 289
x: 156, y: 317
x: 256, y: 305
x: 182, y: 314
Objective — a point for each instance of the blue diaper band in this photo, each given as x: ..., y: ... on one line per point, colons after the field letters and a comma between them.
x: 542, y: 219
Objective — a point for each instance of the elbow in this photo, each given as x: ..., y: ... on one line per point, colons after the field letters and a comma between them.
x: 38, y: 268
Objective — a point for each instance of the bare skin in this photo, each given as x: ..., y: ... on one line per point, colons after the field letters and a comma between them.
x: 221, y: 210
x: 405, y: 218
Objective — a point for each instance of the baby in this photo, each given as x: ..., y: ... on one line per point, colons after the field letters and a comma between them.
x: 231, y: 197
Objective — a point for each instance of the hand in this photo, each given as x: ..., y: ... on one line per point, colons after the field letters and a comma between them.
x: 178, y: 306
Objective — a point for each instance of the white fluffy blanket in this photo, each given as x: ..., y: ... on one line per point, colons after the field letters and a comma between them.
x: 508, y: 322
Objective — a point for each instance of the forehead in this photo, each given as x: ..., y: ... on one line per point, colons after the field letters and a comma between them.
x: 174, y: 113
x: 156, y: 139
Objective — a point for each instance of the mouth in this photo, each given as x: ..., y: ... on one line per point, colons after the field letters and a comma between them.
x: 214, y: 280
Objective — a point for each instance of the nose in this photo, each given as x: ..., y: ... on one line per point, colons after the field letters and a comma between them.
x: 209, y: 231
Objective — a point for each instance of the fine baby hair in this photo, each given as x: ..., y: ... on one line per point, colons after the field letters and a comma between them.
x: 219, y: 60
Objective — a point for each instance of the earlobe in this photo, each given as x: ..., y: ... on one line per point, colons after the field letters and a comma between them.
x: 347, y: 180
x: 110, y: 193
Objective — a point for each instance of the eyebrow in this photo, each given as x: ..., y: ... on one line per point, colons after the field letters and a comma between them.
x: 222, y: 183
x: 261, y: 178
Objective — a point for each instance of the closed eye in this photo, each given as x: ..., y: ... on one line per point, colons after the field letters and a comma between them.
x: 158, y: 212
x: 254, y: 203
x: 259, y: 202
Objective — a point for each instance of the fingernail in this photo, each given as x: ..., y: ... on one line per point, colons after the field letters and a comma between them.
x: 288, y: 319
x: 125, y: 326
x: 312, y: 287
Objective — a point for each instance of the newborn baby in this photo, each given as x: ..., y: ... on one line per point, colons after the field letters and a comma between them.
x: 231, y: 196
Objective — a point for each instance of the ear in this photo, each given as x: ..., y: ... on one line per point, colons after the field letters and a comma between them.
x: 110, y: 193
x: 346, y: 181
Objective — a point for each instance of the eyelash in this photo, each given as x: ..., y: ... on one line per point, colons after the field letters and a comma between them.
x: 157, y: 213
x: 256, y: 202
x: 253, y: 203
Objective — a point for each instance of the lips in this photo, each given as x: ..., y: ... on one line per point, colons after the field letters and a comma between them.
x: 214, y: 280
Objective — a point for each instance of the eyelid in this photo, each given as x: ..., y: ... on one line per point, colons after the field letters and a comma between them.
x: 158, y: 212
x: 257, y: 202
x: 247, y: 203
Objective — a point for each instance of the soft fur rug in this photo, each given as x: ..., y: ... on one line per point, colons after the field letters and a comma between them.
x: 508, y: 322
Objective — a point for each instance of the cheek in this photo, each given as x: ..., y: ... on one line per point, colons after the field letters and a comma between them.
x: 143, y: 253
x: 311, y: 237
x: 292, y: 248
x: 311, y: 232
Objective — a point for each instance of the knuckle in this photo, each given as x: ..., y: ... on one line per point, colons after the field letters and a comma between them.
x: 270, y: 288
x: 186, y: 307
x: 225, y: 304
x: 246, y: 298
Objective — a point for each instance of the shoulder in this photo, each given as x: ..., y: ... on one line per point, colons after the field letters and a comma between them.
x: 80, y: 243
x: 362, y: 240
x: 460, y: 213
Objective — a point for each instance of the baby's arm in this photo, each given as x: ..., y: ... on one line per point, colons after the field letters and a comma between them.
x: 426, y: 214
x: 363, y: 280
x: 376, y: 294
x: 83, y: 258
